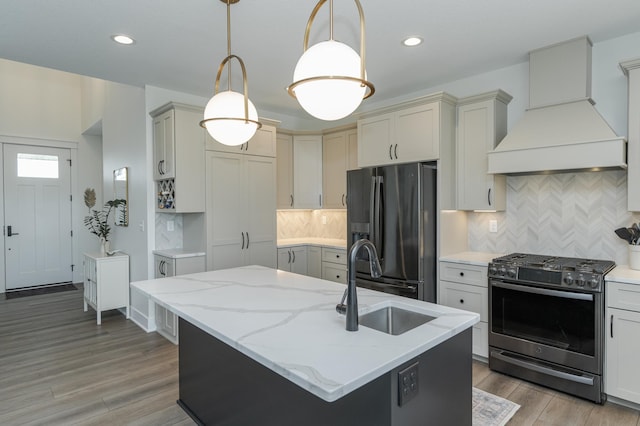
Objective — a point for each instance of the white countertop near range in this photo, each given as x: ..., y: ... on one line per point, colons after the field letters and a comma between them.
x: 310, y: 241
x: 624, y: 274
x: 477, y: 258
x: 288, y: 323
x: 178, y: 253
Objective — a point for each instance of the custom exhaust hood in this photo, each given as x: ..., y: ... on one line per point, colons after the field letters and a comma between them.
x: 561, y: 131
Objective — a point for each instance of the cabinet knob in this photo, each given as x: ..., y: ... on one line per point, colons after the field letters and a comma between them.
x: 338, y: 276
x: 462, y: 301
x: 462, y: 274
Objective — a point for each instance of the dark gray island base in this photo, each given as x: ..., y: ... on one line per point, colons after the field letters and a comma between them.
x: 221, y: 386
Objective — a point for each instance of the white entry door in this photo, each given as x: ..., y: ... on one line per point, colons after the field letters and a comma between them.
x: 37, y: 204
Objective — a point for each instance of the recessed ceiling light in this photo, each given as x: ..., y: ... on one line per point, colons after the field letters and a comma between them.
x: 122, y: 39
x: 412, y: 41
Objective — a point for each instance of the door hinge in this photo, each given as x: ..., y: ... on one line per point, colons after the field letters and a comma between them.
x: 71, y: 232
x: 69, y: 160
x: 72, y: 266
x: 71, y: 197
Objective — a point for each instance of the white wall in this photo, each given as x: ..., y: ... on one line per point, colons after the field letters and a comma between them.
x: 42, y: 106
x: 124, y: 142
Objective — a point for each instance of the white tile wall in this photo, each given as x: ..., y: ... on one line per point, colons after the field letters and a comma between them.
x: 168, y: 239
x: 308, y: 223
x: 567, y: 214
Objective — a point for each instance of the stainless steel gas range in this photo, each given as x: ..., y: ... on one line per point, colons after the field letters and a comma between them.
x: 546, y: 321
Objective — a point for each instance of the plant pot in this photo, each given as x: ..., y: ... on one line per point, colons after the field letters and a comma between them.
x: 105, y: 247
x: 634, y: 257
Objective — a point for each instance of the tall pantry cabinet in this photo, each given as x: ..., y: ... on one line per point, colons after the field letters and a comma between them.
x: 241, y: 204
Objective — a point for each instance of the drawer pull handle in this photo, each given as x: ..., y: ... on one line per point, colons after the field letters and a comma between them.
x: 337, y: 256
x: 462, y: 274
x: 611, y: 327
x: 462, y: 301
x: 338, y: 276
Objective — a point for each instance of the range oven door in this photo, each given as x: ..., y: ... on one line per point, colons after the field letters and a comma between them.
x: 556, y: 326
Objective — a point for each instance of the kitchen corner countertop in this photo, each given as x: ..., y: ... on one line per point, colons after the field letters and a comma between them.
x: 624, y: 274
x: 309, y: 241
x: 178, y: 253
x: 478, y: 258
x: 288, y: 323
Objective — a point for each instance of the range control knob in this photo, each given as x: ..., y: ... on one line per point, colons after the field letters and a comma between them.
x: 493, y: 270
x: 568, y: 280
x: 593, y: 282
x: 511, y: 273
x: 580, y: 282
x: 502, y: 271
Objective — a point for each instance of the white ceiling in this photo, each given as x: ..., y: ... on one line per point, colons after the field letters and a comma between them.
x: 180, y: 43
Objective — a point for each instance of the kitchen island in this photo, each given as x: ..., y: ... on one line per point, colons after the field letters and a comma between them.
x: 262, y: 346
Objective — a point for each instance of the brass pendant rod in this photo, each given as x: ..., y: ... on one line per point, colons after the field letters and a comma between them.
x: 331, y: 20
x: 229, y: 43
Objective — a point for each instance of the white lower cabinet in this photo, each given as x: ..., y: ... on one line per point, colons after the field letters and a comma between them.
x: 465, y: 286
x: 293, y: 259
x: 334, y: 265
x: 165, y: 266
x: 106, y: 283
x: 314, y: 261
x: 622, y: 348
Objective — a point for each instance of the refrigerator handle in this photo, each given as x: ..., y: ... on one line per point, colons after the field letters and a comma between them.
x: 379, y: 242
x: 372, y: 207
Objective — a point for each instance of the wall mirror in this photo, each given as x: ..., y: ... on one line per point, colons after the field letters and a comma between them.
x: 121, y: 192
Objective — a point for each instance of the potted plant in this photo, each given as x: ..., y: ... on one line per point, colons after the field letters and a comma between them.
x: 97, y: 222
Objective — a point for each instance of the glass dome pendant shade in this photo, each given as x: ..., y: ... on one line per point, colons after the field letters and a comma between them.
x: 230, y: 117
x: 330, y: 77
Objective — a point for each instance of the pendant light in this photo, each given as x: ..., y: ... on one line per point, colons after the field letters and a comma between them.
x: 330, y: 80
x: 230, y: 117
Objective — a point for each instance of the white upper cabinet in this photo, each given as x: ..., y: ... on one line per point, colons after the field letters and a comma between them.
x: 285, y: 171
x: 412, y: 133
x: 178, y: 154
x: 632, y: 70
x: 263, y: 143
x: 339, y: 154
x: 482, y: 123
x: 307, y: 171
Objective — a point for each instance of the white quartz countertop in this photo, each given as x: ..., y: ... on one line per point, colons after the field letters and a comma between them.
x: 624, y: 274
x: 179, y: 253
x: 288, y: 323
x: 478, y: 258
x: 325, y: 242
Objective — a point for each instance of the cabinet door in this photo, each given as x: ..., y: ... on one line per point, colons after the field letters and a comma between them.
x: 299, y: 260
x: 376, y: 140
x: 260, y: 224
x: 307, y: 172
x: 314, y: 262
x: 478, y: 190
x: 284, y: 259
x: 417, y: 133
x: 189, y: 265
x: 285, y: 171
x: 352, y: 149
x: 334, y: 170
x: 622, y: 375
x: 163, y: 146
x: 226, y: 210
x: 263, y: 143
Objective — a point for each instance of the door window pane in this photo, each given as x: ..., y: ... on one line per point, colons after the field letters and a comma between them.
x: 37, y: 166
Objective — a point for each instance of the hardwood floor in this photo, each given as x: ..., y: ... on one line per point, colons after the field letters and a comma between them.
x: 57, y: 367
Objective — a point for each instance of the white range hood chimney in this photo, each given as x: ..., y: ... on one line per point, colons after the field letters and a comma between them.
x: 561, y: 130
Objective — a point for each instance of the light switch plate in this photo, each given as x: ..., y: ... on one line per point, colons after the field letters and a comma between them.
x: 493, y: 225
x: 408, y: 385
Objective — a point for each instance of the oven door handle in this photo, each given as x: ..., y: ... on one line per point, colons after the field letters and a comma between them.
x: 542, y: 369
x: 543, y: 291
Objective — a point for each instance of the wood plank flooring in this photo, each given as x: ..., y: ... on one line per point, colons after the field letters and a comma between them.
x: 57, y: 367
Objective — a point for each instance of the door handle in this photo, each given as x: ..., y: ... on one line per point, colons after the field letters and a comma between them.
x: 291, y: 199
x: 247, y: 240
x: 242, y: 233
x: 10, y: 233
x: 489, y: 196
x: 289, y: 256
x: 294, y: 256
x: 390, y: 147
x: 395, y: 151
x: 343, y: 199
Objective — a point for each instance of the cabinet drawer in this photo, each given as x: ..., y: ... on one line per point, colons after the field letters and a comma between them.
x: 623, y: 296
x: 481, y: 339
x: 467, y: 297
x: 334, y: 273
x: 334, y: 256
x: 463, y: 273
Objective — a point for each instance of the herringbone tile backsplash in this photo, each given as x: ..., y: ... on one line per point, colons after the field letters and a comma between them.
x: 567, y: 214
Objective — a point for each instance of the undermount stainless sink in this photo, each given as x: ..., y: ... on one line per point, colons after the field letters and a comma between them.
x: 393, y: 320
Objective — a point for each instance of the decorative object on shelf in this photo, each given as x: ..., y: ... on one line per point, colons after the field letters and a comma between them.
x: 121, y: 192
x: 230, y: 117
x: 632, y: 236
x: 97, y: 222
x: 330, y: 80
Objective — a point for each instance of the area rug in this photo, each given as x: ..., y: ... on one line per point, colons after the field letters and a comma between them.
x: 39, y: 290
x: 491, y: 410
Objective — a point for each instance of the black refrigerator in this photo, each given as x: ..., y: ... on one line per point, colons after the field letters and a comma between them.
x: 395, y: 208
